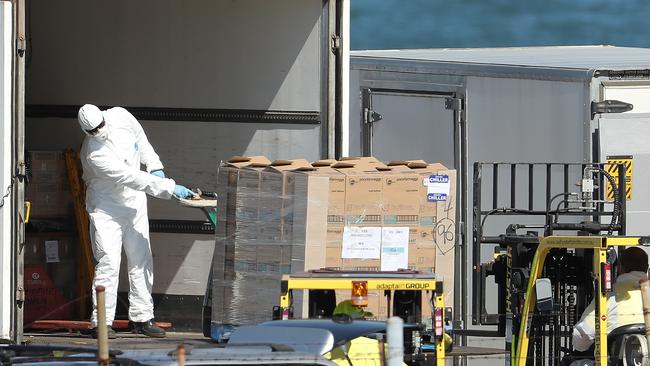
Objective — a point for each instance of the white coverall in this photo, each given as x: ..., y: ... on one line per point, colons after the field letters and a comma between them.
x: 624, y: 306
x: 116, y: 202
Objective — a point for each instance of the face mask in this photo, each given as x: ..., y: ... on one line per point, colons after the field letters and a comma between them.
x: 102, y: 133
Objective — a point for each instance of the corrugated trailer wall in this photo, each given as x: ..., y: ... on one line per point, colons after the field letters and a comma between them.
x: 231, y: 59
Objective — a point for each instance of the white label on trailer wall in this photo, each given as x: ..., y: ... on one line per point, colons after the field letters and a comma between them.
x: 6, y: 16
x: 637, y: 95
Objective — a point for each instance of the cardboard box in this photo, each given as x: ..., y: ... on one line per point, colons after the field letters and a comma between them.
x: 438, y: 220
x: 368, y: 159
x: 323, y: 163
x: 363, y: 194
x: 227, y: 189
x: 310, y: 212
x: 43, y: 298
x: 279, y: 228
x: 50, y: 275
x: 333, y: 256
x: 400, y: 196
x: 276, y: 200
x: 310, y: 193
x: 334, y: 237
x: 335, y: 196
x: 47, y: 167
x: 49, y: 200
x: 237, y: 188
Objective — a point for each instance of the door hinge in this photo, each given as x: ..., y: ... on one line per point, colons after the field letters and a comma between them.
x: 20, y: 294
x: 455, y: 104
x: 370, y: 116
x: 21, y: 170
x: 610, y: 106
x: 336, y: 42
x: 21, y: 46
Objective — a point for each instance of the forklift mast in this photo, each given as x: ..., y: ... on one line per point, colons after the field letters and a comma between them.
x: 515, y: 205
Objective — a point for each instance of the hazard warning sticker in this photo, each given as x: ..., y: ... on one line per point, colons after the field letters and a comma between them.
x: 612, y: 168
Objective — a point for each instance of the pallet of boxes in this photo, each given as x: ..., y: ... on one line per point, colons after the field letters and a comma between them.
x: 51, y: 247
x: 287, y: 216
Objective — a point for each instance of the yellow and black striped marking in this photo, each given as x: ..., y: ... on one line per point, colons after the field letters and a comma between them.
x: 612, y: 168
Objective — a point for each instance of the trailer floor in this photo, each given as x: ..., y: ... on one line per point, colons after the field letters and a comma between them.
x: 123, y: 341
x: 474, y: 351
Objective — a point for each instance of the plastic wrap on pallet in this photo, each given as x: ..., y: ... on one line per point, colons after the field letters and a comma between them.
x: 289, y: 216
x: 275, y: 219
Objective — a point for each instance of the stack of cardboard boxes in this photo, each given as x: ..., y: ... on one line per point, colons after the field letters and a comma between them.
x: 48, y: 189
x: 51, y: 250
x: 358, y: 214
x: 275, y: 214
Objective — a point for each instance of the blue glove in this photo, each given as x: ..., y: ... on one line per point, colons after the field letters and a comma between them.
x: 182, y: 192
x: 158, y: 173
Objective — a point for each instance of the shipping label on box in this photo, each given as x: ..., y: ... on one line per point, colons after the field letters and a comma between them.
x: 428, y: 205
x: 361, y: 248
x: 361, y: 242
x: 394, y: 248
x: 438, y: 187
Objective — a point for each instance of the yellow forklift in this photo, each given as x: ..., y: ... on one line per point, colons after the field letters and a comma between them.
x: 544, y: 280
x: 404, y: 290
x: 539, y: 301
x: 558, y: 253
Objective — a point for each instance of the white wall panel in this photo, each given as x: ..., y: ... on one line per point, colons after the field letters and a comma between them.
x: 247, y: 54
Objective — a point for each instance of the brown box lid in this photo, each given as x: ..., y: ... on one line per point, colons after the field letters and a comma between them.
x: 247, y: 161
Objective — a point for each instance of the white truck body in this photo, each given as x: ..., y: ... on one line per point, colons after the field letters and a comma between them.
x: 207, y: 80
x: 528, y: 104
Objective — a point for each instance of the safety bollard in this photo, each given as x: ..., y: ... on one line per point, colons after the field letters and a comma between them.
x: 645, y: 292
x: 395, y: 340
x: 102, y: 330
x: 180, y: 351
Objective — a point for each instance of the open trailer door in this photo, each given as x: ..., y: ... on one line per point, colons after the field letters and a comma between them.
x: 6, y: 43
x: 12, y: 206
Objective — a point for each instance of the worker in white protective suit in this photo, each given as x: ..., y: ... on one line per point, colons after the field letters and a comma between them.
x: 116, y: 200
x: 624, y: 304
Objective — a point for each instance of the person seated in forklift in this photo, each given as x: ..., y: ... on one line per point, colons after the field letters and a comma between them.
x: 624, y: 304
x: 361, y: 350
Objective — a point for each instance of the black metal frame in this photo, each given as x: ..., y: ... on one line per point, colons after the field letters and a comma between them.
x: 187, y: 114
x: 479, y: 313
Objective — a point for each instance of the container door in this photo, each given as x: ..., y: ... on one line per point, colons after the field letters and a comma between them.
x: 426, y: 125
x: 403, y: 125
x: 6, y: 268
x: 625, y: 137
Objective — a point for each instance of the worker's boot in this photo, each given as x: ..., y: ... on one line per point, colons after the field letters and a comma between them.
x: 111, y: 333
x: 148, y: 328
